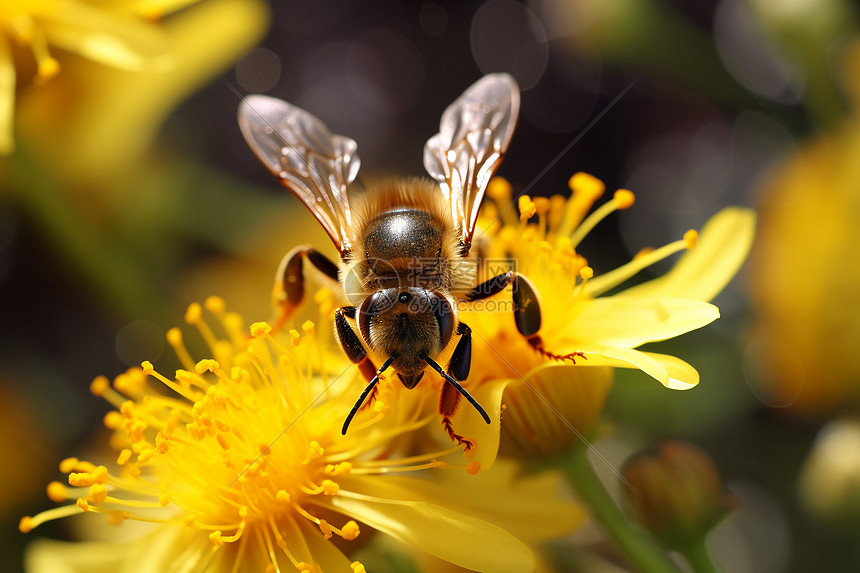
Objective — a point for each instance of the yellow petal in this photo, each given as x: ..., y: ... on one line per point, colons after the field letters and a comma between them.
x: 702, y: 272
x: 7, y: 99
x: 116, y: 113
x: 670, y: 371
x: 469, y: 423
x: 682, y: 376
x: 121, y: 41
x: 466, y: 541
x: 534, y: 507
x: 627, y: 322
x: 159, y: 551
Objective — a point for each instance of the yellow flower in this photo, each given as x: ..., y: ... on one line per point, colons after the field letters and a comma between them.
x: 606, y: 330
x: 803, y: 354
x: 119, y: 70
x: 237, y: 464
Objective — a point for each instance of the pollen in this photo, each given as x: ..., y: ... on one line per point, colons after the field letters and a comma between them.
x: 350, y: 531
x: 260, y: 329
x: 527, y: 207
x: 329, y: 487
x: 473, y: 468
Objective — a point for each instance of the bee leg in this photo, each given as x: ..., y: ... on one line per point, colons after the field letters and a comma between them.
x: 355, y: 351
x: 449, y: 399
x: 527, y: 315
x: 289, y: 289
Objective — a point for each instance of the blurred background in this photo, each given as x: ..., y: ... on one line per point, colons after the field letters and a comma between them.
x: 127, y: 192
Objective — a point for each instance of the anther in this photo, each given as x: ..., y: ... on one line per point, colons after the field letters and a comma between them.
x: 624, y: 199
x: 586, y: 184
x: 350, y: 531
x: 215, y: 305
x: 499, y: 190
x: 690, y: 238
x: 99, y: 385
x: 194, y: 313
x: 260, y: 329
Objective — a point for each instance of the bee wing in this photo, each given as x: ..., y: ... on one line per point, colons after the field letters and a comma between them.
x: 473, y: 136
x: 316, y: 166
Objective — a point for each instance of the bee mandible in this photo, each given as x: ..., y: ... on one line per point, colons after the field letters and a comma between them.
x: 404, y: 244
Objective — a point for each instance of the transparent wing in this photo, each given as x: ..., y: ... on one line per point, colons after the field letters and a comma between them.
x: 473, y: 136
x: 316, y: 166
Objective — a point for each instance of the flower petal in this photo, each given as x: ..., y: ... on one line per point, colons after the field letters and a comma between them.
x: 702, y: 272
x: 533, y: 507
x: 670, y: 371
x: 466, y: 541
x: 627, y: 322
x: 682, y: 376
x: 628, y: 358
x: 175, y: 548
x: 470, y: 424
x: 7, y: 99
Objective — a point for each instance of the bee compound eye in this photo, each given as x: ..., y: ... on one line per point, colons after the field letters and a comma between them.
x: 444, y: 316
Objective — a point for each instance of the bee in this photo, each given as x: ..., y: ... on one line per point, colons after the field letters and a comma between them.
x: 404, y: 244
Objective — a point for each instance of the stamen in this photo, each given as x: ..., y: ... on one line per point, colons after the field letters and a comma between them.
x: 621, y: 200
x: 28, y: 523
x: 100, y: 386
x: 527, y: 208
x: 186, y: 393
x: 27, y: 32
x: 174, y: 339
x: 586, y: 190
x: 617, y: 276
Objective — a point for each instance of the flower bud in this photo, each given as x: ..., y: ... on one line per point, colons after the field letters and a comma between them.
x: 556, y: 407
x: 830, y: 480
x: 677, y: 495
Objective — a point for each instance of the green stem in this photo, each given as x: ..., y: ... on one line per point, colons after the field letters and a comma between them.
x: 637, y: 549
x: 699, y: 557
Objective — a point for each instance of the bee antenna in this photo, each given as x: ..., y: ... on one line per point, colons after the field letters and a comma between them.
x: 366, y: 391
x: 450, y: 379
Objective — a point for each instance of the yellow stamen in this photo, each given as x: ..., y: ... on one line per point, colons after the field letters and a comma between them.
x: 215, y: 305
x: 29, y: 523
x: 615, y: 277
x: 260, y: 329
x: 624, y: 199
x: 690, y: 237
x: 586, y: 190
x: 350, y: 530
x: 527, y: 208
x: 58, y: 492
x: 595, y: 217
x: 174, y: 339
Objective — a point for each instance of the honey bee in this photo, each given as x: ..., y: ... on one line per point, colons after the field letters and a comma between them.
x: 405, y: 244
